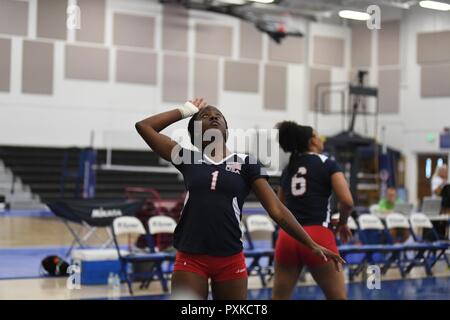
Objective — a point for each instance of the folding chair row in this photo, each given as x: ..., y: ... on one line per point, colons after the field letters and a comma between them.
x: 375, y: 244
x: 370, y: 245
x: 132, y: 225
x: 259, y: 223
x: 158, y: 225
x: 425, y: 251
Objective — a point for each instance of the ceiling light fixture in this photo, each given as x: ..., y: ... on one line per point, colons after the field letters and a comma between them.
x: 354, y: 15
x: 263, y: 1
x: 435, y: 5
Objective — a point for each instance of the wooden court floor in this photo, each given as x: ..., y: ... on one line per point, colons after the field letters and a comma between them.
x: 16, y: 232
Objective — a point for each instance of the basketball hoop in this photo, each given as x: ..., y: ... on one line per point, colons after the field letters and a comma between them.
x: 278, y: 26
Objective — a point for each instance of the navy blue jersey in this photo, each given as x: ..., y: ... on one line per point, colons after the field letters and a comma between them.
x: 307, y: 188
x: 211, y: 217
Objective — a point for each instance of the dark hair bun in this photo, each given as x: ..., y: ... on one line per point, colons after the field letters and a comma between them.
x: 294, y: 137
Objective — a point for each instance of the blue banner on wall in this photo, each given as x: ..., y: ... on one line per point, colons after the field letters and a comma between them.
x: 88, y: 159
x: 444, y: 141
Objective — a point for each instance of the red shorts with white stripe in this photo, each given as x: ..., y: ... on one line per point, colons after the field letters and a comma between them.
x: 290, y: 252
x: 217, y: 268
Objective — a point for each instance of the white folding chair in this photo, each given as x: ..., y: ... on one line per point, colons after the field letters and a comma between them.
x: 436, y: 248
x: 160, y: 225
x: 157, y: 226
x: 396, y: 220
x: 254, y: 223
x: 133, y: 226
x: 128, y: 225
x: 420, y: 220
x: 376, y: 242
x: 259, y: 222
x: 370, y: 222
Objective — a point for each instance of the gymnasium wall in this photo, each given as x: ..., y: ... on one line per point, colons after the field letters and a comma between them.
x: 131, y: 59
x: 408, y: 59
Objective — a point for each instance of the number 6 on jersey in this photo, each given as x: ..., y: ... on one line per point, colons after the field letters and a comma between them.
x: 298, y: 182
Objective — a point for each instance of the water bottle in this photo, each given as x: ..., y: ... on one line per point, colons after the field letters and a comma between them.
x: 116, y: 281
x: 110, y: 280
x: 116, y: 286
x: 111, y: 285
x: 346, y: 274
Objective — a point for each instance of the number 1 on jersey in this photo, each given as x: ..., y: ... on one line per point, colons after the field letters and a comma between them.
x: 215, y: 175
x: 298, y: 182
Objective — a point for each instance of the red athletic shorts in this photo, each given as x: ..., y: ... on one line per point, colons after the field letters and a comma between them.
x: 217, y: 268
x: 290, y: 252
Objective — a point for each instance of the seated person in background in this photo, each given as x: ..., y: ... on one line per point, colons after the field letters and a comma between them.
x: 445, y: 203
x: 439, y: 180
x: 440, y: 188
x: 386, y: 205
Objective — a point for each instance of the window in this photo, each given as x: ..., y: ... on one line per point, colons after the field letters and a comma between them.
x: 428, y: 164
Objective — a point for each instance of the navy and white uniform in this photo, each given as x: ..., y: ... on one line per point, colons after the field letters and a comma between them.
x: 211, y: 217
x: 307, y: 188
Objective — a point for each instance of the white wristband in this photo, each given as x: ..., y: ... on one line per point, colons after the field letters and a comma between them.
x: 187, y: 110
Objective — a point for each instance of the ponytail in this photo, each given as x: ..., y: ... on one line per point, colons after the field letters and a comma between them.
x: 294, y: 138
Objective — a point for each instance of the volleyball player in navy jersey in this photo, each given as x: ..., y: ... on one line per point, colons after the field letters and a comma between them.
x: 306, y: 186
x: 208, y: 235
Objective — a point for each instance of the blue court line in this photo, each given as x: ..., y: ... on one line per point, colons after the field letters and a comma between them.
x: 24, y: 263
x: 432, y: 288
x: 254, y: 211
x: 27, y: 213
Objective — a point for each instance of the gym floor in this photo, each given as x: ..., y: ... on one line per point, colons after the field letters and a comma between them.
x: 20, y: 277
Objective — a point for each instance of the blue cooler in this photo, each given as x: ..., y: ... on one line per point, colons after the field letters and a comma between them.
x: 96, y: 265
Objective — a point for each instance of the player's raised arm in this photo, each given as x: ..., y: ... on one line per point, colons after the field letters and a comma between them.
x: 149, y: 128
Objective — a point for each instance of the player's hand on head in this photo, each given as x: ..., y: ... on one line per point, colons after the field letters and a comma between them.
x: 326, y: 254
x: 200, y: 103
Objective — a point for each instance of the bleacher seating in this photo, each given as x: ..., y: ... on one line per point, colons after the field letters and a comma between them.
x: 40, y: 168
